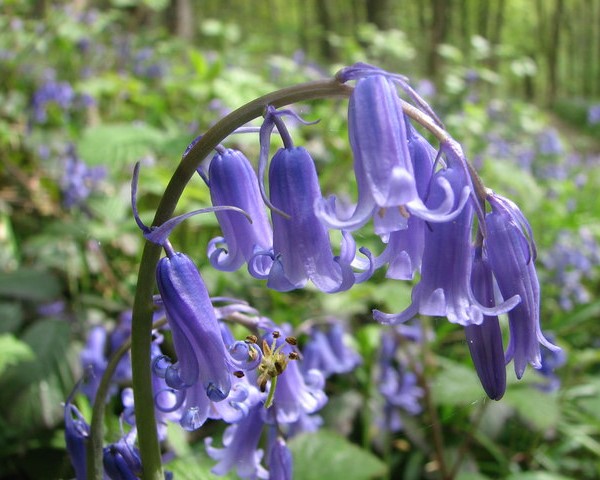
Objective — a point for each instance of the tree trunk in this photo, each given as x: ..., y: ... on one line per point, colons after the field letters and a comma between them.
x: 553, y: 51
x: 325, y: 24
x: 378, y: 13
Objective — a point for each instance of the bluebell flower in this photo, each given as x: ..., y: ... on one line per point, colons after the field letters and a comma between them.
x: 511, y: 253
x: 396, y: 383
x: 485, y: 340
x: 445, y: 288
x: 404, y: 250
x: 551, y: 361
x: 78, y: 180
x: 122, y: 459
x: 384, y: 170
x: 202, y: 356
x: 51, y: 92
x: 202, y: 372
x: 326, y: 351
x: 593, y: 114
x: 301, y: 245
x: 232, y: 181
x: 280, y: 461
x: 240, y: 447
x: 93, y: 358
x: 77, y: 433
x: 296, y: 393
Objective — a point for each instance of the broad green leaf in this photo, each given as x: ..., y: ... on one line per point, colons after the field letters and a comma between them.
x: 29, y: 284
x: 540, y: 409
x: 11, y: 314
x: 327, y: 455
x: 116, y: 145
x: 537, y: 476
x: 32, y: 391
x: 13, y: 351
x: 195, y: 466
x: 455, y: 384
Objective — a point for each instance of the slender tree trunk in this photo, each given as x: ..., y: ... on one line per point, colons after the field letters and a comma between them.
x: 325, y: 24
x: 553, y: 50
x: 378, y: 13
x: 439, y: 27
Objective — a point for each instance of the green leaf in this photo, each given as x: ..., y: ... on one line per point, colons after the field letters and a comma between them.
x: 32, y: 391
x: 540, y: 409
x: 13, y: 351
x: 29, y: 284
x: 456, y: 384
x: 327, y: 455
x: 195, y: 466
x: 116, y: 145
x: 537, y: 476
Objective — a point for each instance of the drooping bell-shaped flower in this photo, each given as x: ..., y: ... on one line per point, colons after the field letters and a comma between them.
x: 202, y: 372
x: 445, y: 286
x: 301, y: 245
x: 404, y: 249
x: 383, y: 167
x: 201, y: 353
x: 122, y: 459
x: 280, y: 461
x: 233, y: 182
x: 511, y: 253
x: 296, y: 394
x: 240, y: 447
x: 485, y: 340
x: 326, y: 351
x: 77, y: 433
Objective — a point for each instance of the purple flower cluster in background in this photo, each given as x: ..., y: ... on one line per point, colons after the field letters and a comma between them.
x: 572, y: 260
x: 79, y: 180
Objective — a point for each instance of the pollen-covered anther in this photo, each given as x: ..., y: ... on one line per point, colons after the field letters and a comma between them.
x: 252, y: 354
x: 403, y: 211
x: 251, y: 339
x: 276, y: 334
x: 294, y: 356
x: 291, y: 340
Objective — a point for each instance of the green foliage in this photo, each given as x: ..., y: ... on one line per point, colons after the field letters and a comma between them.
x: 327, y: 455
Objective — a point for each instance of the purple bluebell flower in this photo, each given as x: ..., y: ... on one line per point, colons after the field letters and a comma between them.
x: 233, y: 182
x: 93, y: 358
x: 511, y: 253
x: 77, y: 433
x: 122, y: 459
x: 51, y: 92
x: 78, y: 180
x: 571, y: 261
x: 280, y: 461
x: 593, y: 114
x: 296, y: 393
x: 240, y: 447
x: 301, y: 245
x: 550, y: 142
x: 396, y: 383
x: 203, y: 371
x: 551, y: 361
x: 404, y: 251
x: 196, y: 333
x: 485, y: 340
x: 445, y: 286
x: 383, y: 167
x: 326, y: 351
